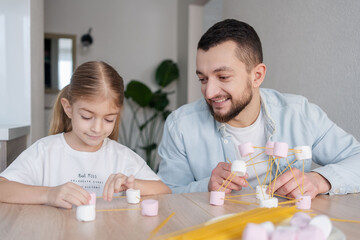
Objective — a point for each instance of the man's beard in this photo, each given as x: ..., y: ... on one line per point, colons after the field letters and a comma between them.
x: 236, y: 107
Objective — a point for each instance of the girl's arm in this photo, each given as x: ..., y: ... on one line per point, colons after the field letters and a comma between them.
x: 64, y: 195
x: 119, y: 182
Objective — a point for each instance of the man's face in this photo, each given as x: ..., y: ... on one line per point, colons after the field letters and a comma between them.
x: 225, y: 83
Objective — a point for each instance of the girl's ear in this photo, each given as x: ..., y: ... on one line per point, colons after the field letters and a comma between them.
x: 67, y: 107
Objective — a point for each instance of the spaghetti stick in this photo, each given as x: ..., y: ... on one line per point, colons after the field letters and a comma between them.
x: 233, y: 175
x: 267, y: 170
x: 228, y: 160
x: 284, y: 196
x: 272, y: 189
x: 157, y: 229
x: 252, y: 164
x: 242, y: 195
x: 114, y: 197
x: 289, y: 202
x: 224, y: 182
x: 303, y: 169
x: 294, y: 177
x: 117, y: 210
x: 256, y: 173
x: 251, y: 158
x: 338, y: 219
x: 240, y: 202
x: 287, y: 167
x: 249, y: 184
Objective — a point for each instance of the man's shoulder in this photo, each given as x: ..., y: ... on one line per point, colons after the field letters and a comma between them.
x: 191, y: 111
x: 275, y: 98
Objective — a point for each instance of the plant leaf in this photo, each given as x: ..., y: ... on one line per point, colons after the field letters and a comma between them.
x: 166, y: 73
x: 139, y: 92
x: 159, y: 100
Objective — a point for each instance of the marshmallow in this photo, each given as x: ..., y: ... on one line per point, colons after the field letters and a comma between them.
x: 93, y: 198
x: 246, y: 149
x: 85, y: 213
x: 269, y: 227
x: 269, y: 148
x: 304, y: 202
x: 149, y: 207
x: 133, y: 196
x: 284, y: 233
x: 254, y: 231
x: 303, y: 152
x: 300, y: 220
x: 322, y: 222
x: 310, y: 233
x: 269, y: 203
x: 238, y: 167
x: 280, y: 149
x: 217, y: 198
x: 261, y: 192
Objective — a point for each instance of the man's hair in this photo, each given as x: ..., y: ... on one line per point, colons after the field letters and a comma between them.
x: 249, y: 49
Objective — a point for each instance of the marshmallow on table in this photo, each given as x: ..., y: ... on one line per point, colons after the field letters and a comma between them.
x: 261, y: 192
x: 133, y: 196
x: 322, y: 222
x: 87, y: 212
x: 310, y: 233
x: 269, y: 203
x: 217, y: 198
x: 238, y: 167
x: 280, y: 149
x: 304, y: 202
x: 300, y: 220
x: 269, y: 148
x: 254, y: 231
x: 246, y: 149
x: 149, y: 207
x: 284, y: 233
x: 303, y: 152
x: 269, y: 227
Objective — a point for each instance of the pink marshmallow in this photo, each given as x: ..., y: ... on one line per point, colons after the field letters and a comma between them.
x: 92, y: 201
x: 281, y: 149
x: 269, y: 148
x: 254, y: 231
x: 300, y: 220
x: 304, y: 202
x: 310, y: 233
x: 284, y: 233
x: 149, y: 207
x: 246, y: 149
x: 217, y: 198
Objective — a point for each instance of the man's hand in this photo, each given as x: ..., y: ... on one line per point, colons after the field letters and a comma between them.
x: 117, y: 183
x: 312, y: 184
x: 220, y: 174
x: 67, y: 195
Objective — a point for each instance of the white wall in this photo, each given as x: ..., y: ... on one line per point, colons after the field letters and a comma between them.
x: 312, y: 48
x: 134, y: 36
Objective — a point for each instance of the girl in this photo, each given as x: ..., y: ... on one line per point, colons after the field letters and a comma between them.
x: 81, y: 154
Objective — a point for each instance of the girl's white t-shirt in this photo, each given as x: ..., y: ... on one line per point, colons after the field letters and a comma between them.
x: 51, y: 162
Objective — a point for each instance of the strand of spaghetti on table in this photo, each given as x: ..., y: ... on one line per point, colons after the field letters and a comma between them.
x: 157, y: 229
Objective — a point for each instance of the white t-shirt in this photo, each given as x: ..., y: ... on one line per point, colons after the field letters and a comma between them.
x: 51, y: 162
x: 255, y: 134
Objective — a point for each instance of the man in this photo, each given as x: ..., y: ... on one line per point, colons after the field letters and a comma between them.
x: 201, y: 138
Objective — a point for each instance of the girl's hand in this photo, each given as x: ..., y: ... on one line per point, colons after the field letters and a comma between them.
x: 117, y: 183
x: 67, y: 195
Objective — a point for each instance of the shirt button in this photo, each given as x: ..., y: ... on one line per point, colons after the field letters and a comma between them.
x: 226, y: 141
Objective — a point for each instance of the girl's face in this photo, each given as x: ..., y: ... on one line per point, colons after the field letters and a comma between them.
x: 92, y: 121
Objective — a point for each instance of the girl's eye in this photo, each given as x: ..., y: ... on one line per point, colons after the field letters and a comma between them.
x: 109, y: 120
x: 85, y: 118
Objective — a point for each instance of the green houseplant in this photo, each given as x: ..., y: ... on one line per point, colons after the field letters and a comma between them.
x: 149, y: 112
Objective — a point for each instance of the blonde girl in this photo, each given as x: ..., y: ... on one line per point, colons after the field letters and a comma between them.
x: 81, y: 154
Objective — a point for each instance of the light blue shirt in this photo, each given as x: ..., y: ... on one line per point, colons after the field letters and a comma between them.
x: 194, y: 143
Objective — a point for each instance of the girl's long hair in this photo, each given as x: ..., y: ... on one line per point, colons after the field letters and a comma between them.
x: 91, y: 80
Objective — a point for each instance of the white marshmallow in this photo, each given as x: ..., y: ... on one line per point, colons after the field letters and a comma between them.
x: 85, y: 213
x: 280, y: 149
x: 269, y: 227
x: 323, y: 222
x: 269, y: 203
x: 133, y: 196
x: 303, y: 152
x: 238, y: 167
x: 261, y: 192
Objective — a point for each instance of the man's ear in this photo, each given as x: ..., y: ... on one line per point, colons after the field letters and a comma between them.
x: 67, y: 107
x: 258, y: 74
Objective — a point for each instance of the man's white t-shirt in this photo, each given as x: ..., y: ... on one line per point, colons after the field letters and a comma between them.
x: 51, y: 162
x: 255, y: 134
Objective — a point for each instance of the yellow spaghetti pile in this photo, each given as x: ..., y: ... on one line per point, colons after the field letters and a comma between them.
x: 233, y: 226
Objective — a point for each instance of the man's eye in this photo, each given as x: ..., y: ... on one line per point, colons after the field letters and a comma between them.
x: 224, y: 77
